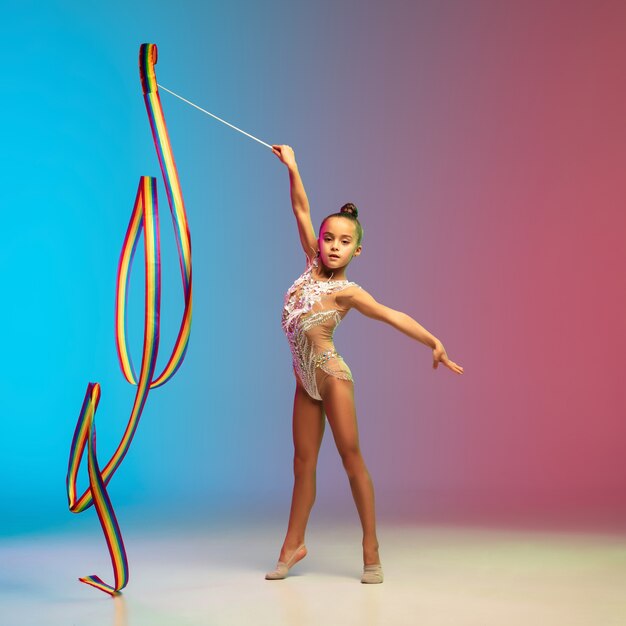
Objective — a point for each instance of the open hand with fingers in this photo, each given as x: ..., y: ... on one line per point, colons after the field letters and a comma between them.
x: 439, y: 355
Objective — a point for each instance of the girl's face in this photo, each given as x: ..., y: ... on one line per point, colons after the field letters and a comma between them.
x: 337, y: 242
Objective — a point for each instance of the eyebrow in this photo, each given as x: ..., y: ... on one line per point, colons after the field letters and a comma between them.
x: 328, y: 232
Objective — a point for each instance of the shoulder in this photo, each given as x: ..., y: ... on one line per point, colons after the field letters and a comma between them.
x: 355, y: 297
x: 348, y: 296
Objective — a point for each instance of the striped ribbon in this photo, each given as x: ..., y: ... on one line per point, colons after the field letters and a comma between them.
x: 144, y: 219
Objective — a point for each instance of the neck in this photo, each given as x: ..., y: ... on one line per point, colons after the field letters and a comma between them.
x: 324, y: 273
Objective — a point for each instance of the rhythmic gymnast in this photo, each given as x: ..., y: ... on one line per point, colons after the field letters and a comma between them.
x: 314, y: 305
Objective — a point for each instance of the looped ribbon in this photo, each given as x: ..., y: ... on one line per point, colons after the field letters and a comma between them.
x: 144, y: 219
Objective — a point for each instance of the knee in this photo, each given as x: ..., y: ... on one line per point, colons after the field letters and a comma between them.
x: 304, y: 465
x: 352, y: 461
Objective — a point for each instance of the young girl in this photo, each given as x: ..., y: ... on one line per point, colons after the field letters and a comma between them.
x: 316, y: 302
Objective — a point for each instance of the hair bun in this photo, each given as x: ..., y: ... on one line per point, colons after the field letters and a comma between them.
x: 350, y: 208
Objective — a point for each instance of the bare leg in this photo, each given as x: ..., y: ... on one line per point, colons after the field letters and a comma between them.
x: 308, y: 431
x: 338, y: 400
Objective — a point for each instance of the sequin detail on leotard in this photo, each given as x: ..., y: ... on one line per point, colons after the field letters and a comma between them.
x: 310, y: 316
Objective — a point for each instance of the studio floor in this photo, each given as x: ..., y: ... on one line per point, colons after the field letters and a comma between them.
x: 434, y: 576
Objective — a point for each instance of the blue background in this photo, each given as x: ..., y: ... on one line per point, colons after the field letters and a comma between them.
x: 467, y: 133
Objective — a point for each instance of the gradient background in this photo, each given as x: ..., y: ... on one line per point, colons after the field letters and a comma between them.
x: 484, y: 144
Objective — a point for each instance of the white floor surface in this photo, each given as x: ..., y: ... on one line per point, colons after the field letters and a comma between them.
x: 434, y: 576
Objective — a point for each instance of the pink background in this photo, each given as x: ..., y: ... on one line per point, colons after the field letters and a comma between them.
x: 484, y: 143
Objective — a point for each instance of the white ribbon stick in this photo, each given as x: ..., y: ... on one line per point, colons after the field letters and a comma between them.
x: 215, y: 116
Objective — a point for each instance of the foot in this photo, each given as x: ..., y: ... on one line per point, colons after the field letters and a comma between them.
x: 372, y: 569
x: 372, y: 574
x: 287, y: 559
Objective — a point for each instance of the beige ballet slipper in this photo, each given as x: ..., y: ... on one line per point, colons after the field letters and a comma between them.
x: 372, y: 573
x: 282, y: 568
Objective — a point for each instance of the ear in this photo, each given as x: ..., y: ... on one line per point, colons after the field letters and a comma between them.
x: 357, y: 250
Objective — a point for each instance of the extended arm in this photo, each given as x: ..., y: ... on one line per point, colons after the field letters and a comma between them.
x: 299, y: 200
x: 365, y: 303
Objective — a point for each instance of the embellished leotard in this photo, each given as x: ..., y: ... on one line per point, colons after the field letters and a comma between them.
x: 310, y: 316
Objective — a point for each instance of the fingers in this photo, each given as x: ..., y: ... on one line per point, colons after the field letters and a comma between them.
x: 282, y: 147
x: 457, y: 369
x: 283, y: 152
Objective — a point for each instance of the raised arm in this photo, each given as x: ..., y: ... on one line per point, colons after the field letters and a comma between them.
x: 362, y: 301
x: 299, y: 200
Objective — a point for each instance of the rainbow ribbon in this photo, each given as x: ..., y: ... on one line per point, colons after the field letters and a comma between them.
x: 144, y: 218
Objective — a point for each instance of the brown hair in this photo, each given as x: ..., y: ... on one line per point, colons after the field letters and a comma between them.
x: 350, y: 212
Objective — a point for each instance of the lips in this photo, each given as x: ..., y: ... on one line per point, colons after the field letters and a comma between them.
x: 333, y: 256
